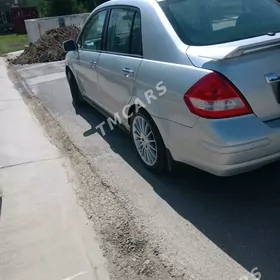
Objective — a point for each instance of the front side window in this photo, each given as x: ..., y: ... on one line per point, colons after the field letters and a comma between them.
x: 207, y: 22
x: 91, y: 37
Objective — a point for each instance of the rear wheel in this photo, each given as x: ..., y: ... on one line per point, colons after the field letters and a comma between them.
x: 148, y: 142
x: 75, y: 91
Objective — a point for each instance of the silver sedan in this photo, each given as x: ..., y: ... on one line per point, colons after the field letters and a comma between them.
x: 193, y: 81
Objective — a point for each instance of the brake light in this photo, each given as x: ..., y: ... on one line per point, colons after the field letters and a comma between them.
x: 215, y: 97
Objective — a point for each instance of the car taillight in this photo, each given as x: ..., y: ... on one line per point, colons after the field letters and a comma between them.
x: 215, y: 97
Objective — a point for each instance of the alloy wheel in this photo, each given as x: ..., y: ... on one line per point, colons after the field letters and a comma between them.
x: 144, y: 140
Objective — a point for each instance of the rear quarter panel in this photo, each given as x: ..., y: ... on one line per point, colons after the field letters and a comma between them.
x: 168, y: 83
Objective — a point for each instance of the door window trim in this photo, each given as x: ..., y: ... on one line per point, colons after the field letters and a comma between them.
x: 103, y: 31
x: 136, y: 9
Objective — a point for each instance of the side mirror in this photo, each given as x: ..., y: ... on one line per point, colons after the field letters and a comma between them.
x: 69, y: 45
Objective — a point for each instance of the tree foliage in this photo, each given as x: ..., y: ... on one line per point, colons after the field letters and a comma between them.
x: 91, y: 4
x: 66, y: 7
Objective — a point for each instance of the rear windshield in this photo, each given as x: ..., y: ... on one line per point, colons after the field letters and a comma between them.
x: 207, y: 22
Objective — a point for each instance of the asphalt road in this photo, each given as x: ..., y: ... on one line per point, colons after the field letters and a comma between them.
x: 206, y: 227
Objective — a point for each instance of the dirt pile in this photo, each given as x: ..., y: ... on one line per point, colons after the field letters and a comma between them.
x: 49, y: 47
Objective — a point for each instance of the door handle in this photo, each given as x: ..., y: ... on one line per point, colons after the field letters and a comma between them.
x: 128, y: 72
x: 93, y: 63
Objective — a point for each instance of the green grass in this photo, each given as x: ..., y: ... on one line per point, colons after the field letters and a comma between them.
x: 12, y: 43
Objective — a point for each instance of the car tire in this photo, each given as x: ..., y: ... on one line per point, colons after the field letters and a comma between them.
x: 77, y: 97
x: 148, y: 138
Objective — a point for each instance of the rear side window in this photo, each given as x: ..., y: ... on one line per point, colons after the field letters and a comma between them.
x: 207, y: 22
x: 120, y: 23
x: 124, y: 32
x: 136, y: 35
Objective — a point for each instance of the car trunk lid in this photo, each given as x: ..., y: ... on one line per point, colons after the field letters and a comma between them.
x: 252, y: 65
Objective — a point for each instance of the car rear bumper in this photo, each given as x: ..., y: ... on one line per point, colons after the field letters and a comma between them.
x: 223, y: 147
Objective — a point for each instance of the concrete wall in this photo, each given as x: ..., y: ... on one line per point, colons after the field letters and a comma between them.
x: 37, y: 27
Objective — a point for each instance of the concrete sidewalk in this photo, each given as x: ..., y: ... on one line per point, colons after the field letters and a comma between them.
x: 44, y: 234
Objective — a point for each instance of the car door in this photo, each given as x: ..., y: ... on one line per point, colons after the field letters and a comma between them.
x: 89, y: 48
x: 120, y: 59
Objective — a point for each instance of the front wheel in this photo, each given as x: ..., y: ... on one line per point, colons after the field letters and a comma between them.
x: 148, y: 142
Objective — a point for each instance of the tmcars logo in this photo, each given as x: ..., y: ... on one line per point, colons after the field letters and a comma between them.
x: 150, y: 96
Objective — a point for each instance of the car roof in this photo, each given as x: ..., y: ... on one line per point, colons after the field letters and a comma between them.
x: 125, y: 2
x: 141, y: 4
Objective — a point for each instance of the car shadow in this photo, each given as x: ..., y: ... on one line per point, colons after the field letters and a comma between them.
x: 239, y: 214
